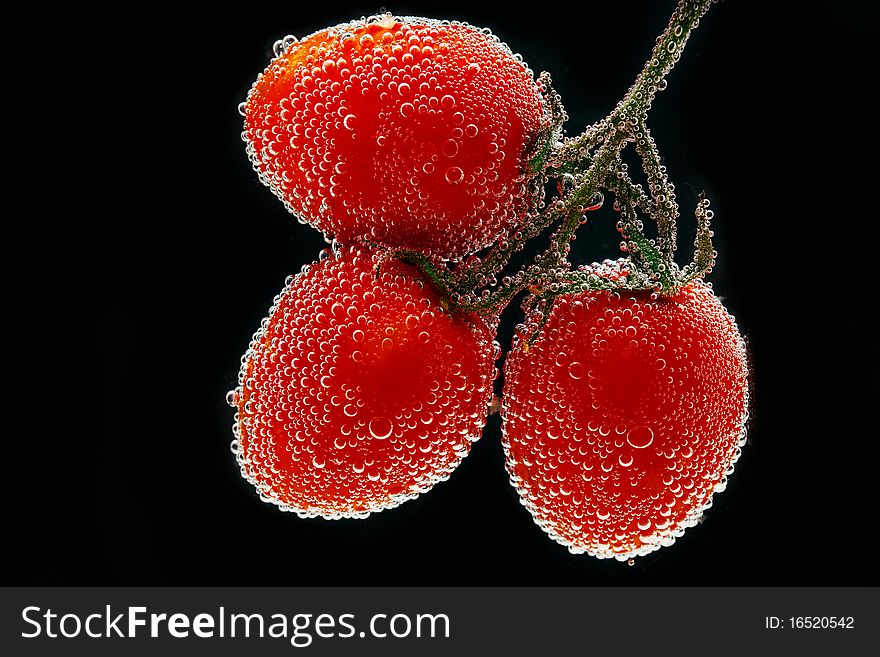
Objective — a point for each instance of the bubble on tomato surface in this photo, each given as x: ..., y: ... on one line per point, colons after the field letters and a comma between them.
x: 389, y: 94
x: 640, y: 437
x: 454, y: 175
x: 349, y: 400
x: 622, y: 461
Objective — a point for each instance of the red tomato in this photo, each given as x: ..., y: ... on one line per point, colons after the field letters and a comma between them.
x: 625, y: 416
x: 407, y: 132
x: 360, y: 391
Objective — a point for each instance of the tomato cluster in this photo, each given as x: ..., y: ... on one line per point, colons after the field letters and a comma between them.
x: 411, y: 143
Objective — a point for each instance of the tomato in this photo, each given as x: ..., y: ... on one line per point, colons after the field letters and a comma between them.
x: 625, y: 416
x: 359, y: 391
x: 402, y: 132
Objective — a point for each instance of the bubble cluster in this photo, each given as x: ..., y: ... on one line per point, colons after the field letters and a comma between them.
x: 625, y: 416
x: 402, y: 132
x: 359, y: 391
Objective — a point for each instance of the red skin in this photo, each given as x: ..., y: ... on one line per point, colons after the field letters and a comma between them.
x: 361, y: 391
x: 624, y: 417
x: 405, y: 133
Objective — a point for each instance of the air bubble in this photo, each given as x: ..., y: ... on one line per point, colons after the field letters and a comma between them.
x: 450, y: 148
x: 454, y: 175
x: 380, y: 427
x: 640, y: 437
x: 347, y: 40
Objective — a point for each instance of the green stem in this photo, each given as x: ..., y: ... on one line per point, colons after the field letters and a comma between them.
x: 662, y: 192
x: 495, y: 260
x: 621, y: 185
x: 704, y: 251
x: 593, y: 161
x: 634, y: 106
x: 441, y: 278
x: 644, y: 254
x: 668, y: 49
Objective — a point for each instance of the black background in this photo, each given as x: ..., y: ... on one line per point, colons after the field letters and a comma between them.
x: 147, y: 253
